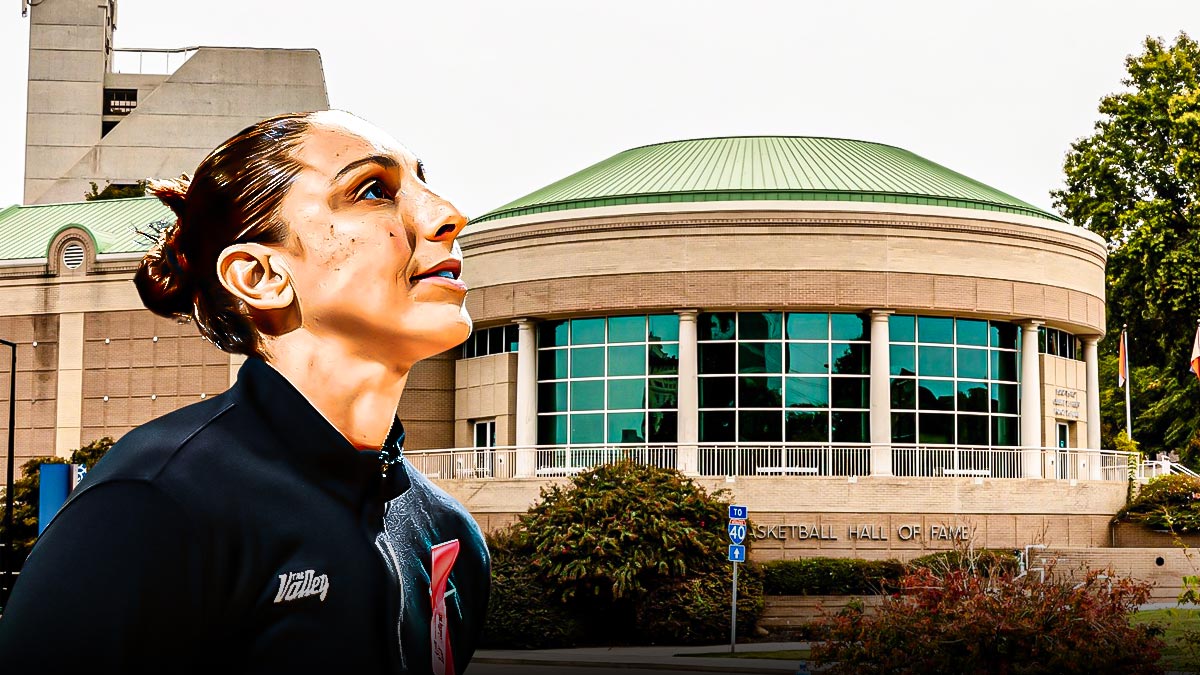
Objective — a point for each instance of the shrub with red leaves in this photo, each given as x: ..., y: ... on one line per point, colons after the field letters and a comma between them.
x: 960, y: 622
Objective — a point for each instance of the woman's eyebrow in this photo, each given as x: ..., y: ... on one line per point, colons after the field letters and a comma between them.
x: 382, y: 160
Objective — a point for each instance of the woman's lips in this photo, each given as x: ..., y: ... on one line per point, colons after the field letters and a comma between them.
x: 444, y: 281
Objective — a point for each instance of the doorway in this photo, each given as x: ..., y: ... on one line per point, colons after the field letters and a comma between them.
x: 1063, y: 433
x: 485, y: 447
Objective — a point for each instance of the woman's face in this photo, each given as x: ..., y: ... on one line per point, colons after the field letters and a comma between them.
x: 373, y: 257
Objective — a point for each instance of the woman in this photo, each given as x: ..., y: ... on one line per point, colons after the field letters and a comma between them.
x: 276, y: 528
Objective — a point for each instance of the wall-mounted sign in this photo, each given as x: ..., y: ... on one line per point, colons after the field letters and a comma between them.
x: 864, y: 532
x: 1065, y: 403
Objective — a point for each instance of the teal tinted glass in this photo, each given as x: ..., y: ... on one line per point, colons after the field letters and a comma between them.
x: 849, y: 327
x: 716, y: 326
x: 934, y: 428
x: 663, y: 427
x: 664, y: 359
x: 807, y: 427
x: 664, y: 328
x: 904, y: 393
x: 587, y: 395
x: 850, y: 392
x: 935, y: 394
x: 904, y: 360
x: 552, y: 397
x: 552, y: 364
x: 587, y: 331
x: 717, y: 426
x: 512, y: 337
x: 1004, y: 366
x: 760, y: 326
x: 973, y: 363
x: 1005, y: 431
x: 717, y: 392
x: 973, y: 429
x: 552, y: 429
x: 850, y: 427
x: 902, y: 328
x: 760, y: 357
x: 627, y: 427
x: 1004, y: 398
x: 760, y: 426
x: 935, y: 329
x: 587, y: 362
x: 973, y: 397
x: 587, y: 429
x: 1003, y: 335
x: 626, y: 329
x: 808, y: 326
x: 760, y: 392
x: 664, y: 392
x: 553, y: 334
x: 629, y: 360
x: 807, y: 358
x: 972, y: 332
x: 807, y: 392
x: 718, y: 358
x: 851, y: 359
x: 935, y: 361
x: 625, y: 394
x: 904, y: 428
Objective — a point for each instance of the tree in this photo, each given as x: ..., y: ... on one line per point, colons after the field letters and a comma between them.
x: 116, y: 191
x: 1135, y: 182
x: 27, y: 488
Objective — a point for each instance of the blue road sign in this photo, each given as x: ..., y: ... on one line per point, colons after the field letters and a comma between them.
x: 738, y: 512
x: 737, y: 533
x: 737, y: 553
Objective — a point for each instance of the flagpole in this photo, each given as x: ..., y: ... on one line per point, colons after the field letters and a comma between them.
x: 1128, y: 379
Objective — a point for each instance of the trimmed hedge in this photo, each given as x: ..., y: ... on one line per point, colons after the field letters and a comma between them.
x: 830, y: 576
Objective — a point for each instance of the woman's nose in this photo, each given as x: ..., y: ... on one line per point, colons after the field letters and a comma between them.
x: 441, y: 221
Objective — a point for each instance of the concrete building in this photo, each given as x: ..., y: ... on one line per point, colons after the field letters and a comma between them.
x: 99, y: 114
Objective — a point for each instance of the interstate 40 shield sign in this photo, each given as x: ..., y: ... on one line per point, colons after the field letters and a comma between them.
x: 737, y: 533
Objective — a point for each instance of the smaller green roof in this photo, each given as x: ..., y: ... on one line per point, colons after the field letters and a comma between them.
x: 747, y: 168
x: 26, y: 231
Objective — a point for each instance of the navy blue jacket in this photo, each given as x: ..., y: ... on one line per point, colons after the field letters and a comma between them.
x: 245, y: 534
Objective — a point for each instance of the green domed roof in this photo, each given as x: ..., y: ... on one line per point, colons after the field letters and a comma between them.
x: 766, y: 168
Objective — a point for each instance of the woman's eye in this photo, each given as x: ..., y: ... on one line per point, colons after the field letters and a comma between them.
x: 373, y: 189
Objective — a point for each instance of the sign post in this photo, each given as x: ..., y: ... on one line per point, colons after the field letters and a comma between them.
x: 737, y: 554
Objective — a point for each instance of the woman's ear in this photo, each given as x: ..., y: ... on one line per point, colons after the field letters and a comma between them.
x: 257, y: 275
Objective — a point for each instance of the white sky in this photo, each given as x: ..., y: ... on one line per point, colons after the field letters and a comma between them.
x: 500, y: 98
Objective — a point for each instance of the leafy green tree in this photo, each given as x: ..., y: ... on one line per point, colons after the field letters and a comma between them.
x: 115, y: 191
x: 1135, y: 182
x: 26, y: 490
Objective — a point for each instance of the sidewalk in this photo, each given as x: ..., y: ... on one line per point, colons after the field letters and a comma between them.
x: 656, y: 658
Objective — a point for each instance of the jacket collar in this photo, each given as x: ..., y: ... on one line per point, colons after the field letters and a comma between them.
x: 314, y: 446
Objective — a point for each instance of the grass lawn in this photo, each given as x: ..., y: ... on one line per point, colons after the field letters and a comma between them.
x: 1175, y: 657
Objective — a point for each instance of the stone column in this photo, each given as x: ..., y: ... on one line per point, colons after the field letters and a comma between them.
x: 526, y: 421
x: 1091, y: 363
x: 881, y: 396
x: 688, y: 430
x: 69, y: 410
x: 1031, y: 401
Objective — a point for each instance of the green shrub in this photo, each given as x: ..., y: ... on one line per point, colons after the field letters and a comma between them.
x: 829, y: 576
x: 984, y: 562
x: 1170, y: 502
x: 696, y: 611
x: 523, y: 613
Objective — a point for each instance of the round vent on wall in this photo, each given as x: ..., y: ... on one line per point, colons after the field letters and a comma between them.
x: 72, y: 256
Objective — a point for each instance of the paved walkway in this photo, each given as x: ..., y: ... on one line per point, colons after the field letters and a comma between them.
x: 655, y: 658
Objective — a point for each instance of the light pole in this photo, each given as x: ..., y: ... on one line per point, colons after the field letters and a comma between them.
x: 8, y: 488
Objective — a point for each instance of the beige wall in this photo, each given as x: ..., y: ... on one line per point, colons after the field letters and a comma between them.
x: 1064, y: 400
x: 768, y: 259
x: 37, y: 384
x: 485, y: 388
x: 427, y: 406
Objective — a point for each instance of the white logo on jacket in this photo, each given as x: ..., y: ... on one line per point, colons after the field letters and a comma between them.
x: 295, y: 585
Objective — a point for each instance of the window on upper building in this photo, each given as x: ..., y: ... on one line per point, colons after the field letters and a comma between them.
x: 119, y: 101
x: 488, y: 341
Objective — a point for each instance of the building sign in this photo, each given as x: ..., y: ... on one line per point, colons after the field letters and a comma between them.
x: 864, y: 532
x: 1066, y: 403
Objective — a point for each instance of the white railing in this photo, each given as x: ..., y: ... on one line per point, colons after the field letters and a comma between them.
x: 1163, y: 467
x: 779, y: 459
x: 150, y: 61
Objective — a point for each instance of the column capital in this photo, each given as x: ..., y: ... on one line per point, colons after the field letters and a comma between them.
x: 1090, y: 339
x: 689, y: 313
x: 881, y: 314
x: 1031, y: 324
x: 525, y: 321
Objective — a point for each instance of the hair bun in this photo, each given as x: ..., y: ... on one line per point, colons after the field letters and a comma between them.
x: 162, y: 279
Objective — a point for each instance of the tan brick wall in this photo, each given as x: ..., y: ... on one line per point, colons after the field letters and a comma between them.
x: 485, y: 388
x: 427, y: 406
x: 993, y: 513
x: 37, y: 382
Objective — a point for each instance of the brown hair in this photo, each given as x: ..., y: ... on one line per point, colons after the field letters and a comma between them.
x: 233, y: 197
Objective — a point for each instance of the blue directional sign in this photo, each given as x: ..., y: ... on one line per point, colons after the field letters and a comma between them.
x: 737, y: 533
x: 737, y: 553
x: 737, y: 512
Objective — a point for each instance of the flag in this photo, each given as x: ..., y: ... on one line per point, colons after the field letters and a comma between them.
x: 1196, y: 353
x: 1123, y: 362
